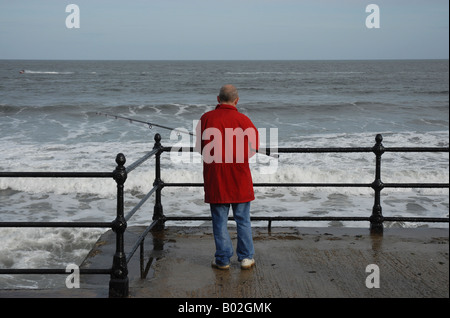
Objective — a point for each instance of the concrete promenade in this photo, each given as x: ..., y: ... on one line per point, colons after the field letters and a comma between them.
x: 290, y: 263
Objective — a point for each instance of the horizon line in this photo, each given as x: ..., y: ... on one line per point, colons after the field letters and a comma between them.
x: 219, y: 60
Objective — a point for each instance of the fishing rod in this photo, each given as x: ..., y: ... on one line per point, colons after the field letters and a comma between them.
x: 150, y: 125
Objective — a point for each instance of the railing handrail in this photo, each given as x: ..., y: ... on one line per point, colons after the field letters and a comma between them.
x: 140, y: 161
x: 324, y: 149
x: 319, y: 185
x: 39, y: 174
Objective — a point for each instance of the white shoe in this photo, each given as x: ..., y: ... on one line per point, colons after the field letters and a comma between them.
x: 247, y: 263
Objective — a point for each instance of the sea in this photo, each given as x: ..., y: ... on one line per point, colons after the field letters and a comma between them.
x: 52, y: 118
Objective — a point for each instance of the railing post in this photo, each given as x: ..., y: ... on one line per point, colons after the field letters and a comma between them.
x: 376, y: 219
x: 118, y: 284
x: 158, y: 209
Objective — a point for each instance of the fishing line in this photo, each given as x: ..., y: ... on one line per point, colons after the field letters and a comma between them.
x: 149, y: 124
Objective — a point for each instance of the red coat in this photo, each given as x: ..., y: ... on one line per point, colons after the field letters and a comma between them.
x: 227, y: 139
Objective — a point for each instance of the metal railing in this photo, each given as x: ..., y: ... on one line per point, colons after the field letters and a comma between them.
x: 119, y: 284
x: 376, y: 219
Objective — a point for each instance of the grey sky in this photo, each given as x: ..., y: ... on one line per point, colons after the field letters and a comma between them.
x: 233, y: 29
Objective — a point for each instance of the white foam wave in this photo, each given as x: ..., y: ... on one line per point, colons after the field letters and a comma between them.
x: 47, y: 72
x: 305, y: 168
x: 42, y: 248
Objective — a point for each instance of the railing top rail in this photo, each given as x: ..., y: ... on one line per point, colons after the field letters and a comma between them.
x: 320, y: 185
x: 32, y: 174
x: 141, y: 160
x: 326, y: 149
x: 55, y: 224
x: 140, y: 203
x: 417, y: 149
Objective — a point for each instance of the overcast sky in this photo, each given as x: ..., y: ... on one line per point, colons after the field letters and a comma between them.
x: 224, y: 30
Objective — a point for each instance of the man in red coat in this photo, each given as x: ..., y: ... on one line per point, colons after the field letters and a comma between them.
x: 227, y: 139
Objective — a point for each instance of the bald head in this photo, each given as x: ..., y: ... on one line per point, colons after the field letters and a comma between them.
x: 228, y: 95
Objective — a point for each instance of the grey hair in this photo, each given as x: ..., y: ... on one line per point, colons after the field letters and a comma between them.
x: 228, y: 93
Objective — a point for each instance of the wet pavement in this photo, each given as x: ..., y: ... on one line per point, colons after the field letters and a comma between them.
x: 291, y: 262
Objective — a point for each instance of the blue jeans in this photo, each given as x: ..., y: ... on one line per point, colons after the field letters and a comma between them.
x: 224, y: 247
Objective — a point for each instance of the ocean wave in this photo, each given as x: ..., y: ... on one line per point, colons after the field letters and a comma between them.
x: 47, y: 72
x: 319, y: 107
x: 293, y: 72
x: 42, y: 248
